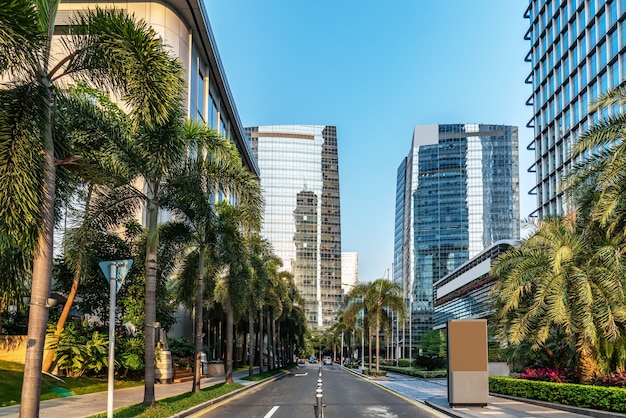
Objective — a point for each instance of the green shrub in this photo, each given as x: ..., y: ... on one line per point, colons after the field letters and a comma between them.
x: 582, y: 396
x: 404, y: 362
x: 181, y: 347
x: 130, y: 356
x: 424, y: 374
x: 496, y: 354
x: 429, y: 363
x: 80, y: 350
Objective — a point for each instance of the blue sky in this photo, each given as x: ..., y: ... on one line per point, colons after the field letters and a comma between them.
x: 375, y: 69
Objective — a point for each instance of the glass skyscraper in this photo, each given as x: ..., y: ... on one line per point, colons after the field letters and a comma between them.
x: 577, y: 52
x: 300, y: 182
x: 457, y: 193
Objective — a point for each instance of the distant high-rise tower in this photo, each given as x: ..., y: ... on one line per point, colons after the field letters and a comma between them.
x: 349, y: 271
x: 300, y: 181
x: 457, y: 193
x: 577, y: 52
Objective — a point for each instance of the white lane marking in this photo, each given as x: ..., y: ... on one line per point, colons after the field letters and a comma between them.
x: 302, y: 374
x: 269, y: 414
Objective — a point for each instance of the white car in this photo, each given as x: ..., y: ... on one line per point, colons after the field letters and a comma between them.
x: 328, y: 361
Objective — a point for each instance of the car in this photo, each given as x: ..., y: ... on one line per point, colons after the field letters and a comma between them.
x: 312, y: 359
x: 328, y: 361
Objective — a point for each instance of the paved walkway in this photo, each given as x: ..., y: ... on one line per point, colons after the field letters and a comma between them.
x: 432, y: 392
x: 96, y: 403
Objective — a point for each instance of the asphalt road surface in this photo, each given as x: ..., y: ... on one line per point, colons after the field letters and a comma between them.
x: 293, y: 396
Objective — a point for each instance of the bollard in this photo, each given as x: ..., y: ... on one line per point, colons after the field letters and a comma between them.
x: 318, y: 397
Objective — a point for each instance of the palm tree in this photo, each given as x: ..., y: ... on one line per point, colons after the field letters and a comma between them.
x: 376, y: 299
x: 107, y: 48
x: 564, y: 278
x: 232, y: 282
x: 596, y: 181
x: 260, y: 254
x: 191, y: 194
x: 95, y: 125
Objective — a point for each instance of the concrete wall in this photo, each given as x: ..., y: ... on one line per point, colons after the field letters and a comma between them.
x: 13, y: 348
x: 499, y: 368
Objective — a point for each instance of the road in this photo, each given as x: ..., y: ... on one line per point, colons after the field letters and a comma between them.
x: 293, y: 396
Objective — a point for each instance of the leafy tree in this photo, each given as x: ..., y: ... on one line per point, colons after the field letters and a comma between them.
x: 105, y: 47
x: 432, y: 343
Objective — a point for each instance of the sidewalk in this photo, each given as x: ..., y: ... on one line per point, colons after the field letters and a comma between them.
x: 434, y: 393
x: 95, y: 403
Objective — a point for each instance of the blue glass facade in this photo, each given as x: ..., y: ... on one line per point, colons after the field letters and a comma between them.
x: 302, y: 220
x: 462, y: 194
x: 577, y: 52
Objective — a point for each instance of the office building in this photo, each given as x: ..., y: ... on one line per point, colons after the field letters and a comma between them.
x: 184, y: 28
x: 457, y: 193
x: 577, y: 52
x: 465, y: 292
x: 300, y: 181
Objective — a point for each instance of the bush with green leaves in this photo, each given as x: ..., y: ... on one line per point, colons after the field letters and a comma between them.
x: 583, y: 396
x: 183, y: 351
x: 429, y: 363
x: 130, y: 356
x: 404, y: 362
x: 79, y: 349
x: 83, y: 349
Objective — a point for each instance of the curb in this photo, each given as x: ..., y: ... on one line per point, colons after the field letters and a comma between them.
x: 595, y: 413
x: 200, y: 407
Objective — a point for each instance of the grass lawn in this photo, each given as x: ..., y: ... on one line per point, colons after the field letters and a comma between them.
x: 11, y: 376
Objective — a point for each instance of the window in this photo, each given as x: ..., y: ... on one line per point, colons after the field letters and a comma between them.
x: 614, y: 42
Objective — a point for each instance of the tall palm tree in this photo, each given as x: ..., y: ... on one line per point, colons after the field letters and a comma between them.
x: 260, y: 254
x: 376, y: 298
x: 110, y: 50
x: 232, y: 282
x: 191, y: 195
x: 94, y: 123
x: 562, y: 278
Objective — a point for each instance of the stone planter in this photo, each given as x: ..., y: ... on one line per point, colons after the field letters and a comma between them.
x: 215, y: 369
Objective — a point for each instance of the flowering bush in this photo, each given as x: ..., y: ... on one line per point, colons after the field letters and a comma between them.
x: 615, y: 379
x: 551, y: 375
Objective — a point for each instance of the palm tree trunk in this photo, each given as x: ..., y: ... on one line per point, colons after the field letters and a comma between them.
x: 270, y: 354
x: 274, y: 348
x: 261, y: 339
x: 377, y: 346
x: 40, y: 286
x: 150, y: 304
x: 587, y: 364
x: 369, y: 347
x: 1, y: 311
x: 251, y: 345
x: 197, y: 372
x: 230, y: 319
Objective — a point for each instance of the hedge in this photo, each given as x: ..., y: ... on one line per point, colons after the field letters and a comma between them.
x: 582, y: 396
x: 425, y: 374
